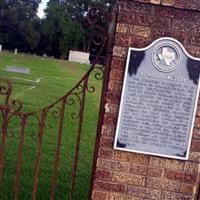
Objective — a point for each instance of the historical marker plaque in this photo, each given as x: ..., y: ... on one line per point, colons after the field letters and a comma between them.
x: 159, y: 100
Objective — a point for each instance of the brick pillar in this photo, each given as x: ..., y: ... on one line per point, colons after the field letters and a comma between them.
x: 130, y: 176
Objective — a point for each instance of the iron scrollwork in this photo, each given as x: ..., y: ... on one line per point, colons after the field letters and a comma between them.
x: 13, y: 106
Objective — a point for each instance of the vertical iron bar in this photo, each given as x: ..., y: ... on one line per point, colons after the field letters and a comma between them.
x: 20, y: 152
x: 109, y: 49
x: 3, y: 142
x: 39, y: 153
x: 57, y: 156
x: 78, y: 138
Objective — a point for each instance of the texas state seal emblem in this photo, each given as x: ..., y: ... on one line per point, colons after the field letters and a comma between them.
x: 166, y: 57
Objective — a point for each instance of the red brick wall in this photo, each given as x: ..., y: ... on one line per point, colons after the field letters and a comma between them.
x: 130, y: 176
x: 184, y: 4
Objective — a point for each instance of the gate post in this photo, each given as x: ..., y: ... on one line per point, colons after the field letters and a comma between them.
x: 109, y: 51
x: 125, y: 175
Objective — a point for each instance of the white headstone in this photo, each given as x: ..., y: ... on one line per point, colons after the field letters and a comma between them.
x: 0, y: 48
x: 79, y: 57
x: 15, y: 51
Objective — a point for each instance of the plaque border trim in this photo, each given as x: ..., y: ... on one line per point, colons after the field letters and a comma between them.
x: 122, y: 100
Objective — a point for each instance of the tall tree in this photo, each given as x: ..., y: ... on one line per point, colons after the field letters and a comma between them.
x: 18, y: 24
x: 77, y: 9
x: 60, y: 33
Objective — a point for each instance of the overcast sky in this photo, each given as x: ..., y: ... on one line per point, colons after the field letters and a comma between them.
x: 42, y: 6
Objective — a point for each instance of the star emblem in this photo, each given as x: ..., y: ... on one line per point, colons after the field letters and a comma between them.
x: 167, y: 56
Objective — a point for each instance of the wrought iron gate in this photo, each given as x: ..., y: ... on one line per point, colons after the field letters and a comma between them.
x: 29, y: 129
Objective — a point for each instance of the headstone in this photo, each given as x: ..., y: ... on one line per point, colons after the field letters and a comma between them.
x: 79, y: 57
x: 15, y: 51
x: 21, y: 70
x: 159, y: 100
x: 0, y: 48
x: 44, y: 55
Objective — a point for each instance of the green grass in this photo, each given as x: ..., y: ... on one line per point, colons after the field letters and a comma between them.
x: 58, y: 77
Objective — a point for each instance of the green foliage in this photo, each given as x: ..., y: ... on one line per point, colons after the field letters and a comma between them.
x: 18, y: 22
x: 60, y: 33
x: 77, y: 8
x: 63, y: 28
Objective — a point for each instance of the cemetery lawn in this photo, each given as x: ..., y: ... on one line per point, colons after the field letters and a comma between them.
x: 49, y: 79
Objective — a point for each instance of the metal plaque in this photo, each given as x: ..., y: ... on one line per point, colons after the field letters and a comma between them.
x: 159, y: 100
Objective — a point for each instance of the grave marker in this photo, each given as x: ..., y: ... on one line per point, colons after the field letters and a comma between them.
x: 15, y: 69
x: 15, y: 51
x: 79, y: 57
